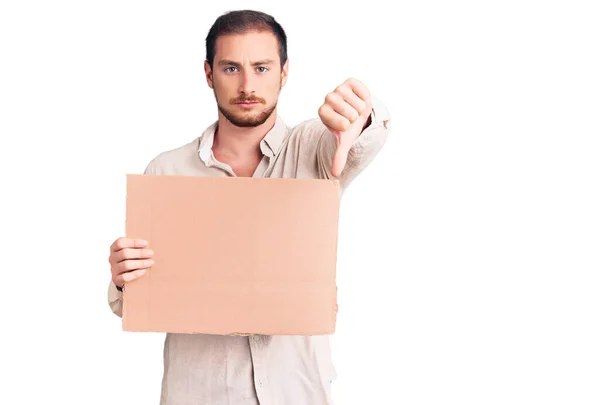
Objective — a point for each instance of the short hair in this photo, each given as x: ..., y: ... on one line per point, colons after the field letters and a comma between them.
x: 240, y: 22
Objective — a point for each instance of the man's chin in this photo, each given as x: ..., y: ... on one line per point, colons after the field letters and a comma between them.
x: 248, y: 119
x: 246, y: 123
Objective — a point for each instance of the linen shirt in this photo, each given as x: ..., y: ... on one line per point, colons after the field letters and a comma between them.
x: 258, y: 369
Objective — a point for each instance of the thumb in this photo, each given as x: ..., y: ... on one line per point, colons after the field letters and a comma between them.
x: 340, y: 157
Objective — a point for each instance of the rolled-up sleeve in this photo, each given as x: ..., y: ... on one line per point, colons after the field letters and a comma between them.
x: 115, y: 299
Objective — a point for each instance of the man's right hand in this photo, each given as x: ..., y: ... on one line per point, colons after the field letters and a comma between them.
x: 129, y: 259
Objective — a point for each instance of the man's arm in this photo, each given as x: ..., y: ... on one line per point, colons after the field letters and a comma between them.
x: 354, y: 126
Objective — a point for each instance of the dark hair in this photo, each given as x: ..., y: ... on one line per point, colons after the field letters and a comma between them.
x: 240, y: 22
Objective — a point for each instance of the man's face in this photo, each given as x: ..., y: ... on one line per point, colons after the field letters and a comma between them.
x: 246, y: 77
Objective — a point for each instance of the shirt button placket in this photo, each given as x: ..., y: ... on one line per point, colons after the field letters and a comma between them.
x: 257, y: 348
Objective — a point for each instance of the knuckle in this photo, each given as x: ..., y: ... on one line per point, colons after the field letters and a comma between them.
x: 133, y: 275
x: 120, y: 255
x: 115, y: 258
x: 120, y: 243
x: 345, y: 91
x: 361, y: 105
x: 343, y: 124
x: 128, y: 265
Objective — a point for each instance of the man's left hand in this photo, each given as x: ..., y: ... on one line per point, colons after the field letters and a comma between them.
x: 345, y: 113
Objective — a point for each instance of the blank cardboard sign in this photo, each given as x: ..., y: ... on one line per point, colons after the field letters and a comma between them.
x: 234, y: 255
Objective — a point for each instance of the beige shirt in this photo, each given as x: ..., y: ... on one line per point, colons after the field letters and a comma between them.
x: 258, y: 369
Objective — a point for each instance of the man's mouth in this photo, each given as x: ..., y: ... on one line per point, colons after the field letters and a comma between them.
x: 247, y: 103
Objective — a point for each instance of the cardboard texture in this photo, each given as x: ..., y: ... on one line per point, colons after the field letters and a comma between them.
x: 234, y: 255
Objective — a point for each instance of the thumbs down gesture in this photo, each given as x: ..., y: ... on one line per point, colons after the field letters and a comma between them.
x: 345, y: 113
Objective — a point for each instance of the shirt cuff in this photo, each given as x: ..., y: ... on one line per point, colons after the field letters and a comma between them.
x: 372, y: 138
x: 115, y: 299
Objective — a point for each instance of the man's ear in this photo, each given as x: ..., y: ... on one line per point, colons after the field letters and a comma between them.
x: 284, y: 73
x: 208, y: 74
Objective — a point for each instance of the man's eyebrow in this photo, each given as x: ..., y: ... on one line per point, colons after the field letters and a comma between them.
x: 228, y: 62
x: 224, y: 62
x: 263, y: 62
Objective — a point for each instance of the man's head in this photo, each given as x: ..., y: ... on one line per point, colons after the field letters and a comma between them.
x: 246, y: 61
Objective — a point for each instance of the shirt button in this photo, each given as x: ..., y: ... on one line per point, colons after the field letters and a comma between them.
x: 256, y: 337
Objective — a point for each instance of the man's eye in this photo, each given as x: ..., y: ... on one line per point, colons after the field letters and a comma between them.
x: 264, y: 69
x: 230, y: 67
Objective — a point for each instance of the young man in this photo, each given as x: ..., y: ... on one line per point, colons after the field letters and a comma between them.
x: 246, y: 66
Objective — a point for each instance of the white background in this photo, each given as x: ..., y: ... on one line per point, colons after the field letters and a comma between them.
x: 469, y: 250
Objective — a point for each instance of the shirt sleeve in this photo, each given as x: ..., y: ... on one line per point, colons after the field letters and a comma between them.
x: 115, y: 299
x: 363, y: 151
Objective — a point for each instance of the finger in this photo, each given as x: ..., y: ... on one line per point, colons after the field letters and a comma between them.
x: 131, y: 265
x: 352, y: 98
x: 334, y: 120
x: 359, y: 89
x: 123, y: 243
x: 127, y: 254
x: 340, y: 106
x: 130, y: 276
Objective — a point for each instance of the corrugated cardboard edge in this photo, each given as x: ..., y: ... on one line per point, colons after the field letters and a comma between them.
x: 124, y: 321
x: 340, y: 191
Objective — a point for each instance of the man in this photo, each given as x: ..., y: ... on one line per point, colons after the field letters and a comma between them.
x: 246, y: 66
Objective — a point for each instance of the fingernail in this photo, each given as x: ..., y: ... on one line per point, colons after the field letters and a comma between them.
x: 149, y: 252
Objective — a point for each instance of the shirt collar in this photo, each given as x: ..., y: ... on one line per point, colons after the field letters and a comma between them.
x: 269, y: 145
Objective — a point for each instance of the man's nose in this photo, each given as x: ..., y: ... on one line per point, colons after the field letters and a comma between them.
x: 247, y: 82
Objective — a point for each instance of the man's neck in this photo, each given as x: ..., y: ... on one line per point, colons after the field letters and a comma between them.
x: 240, y: 143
